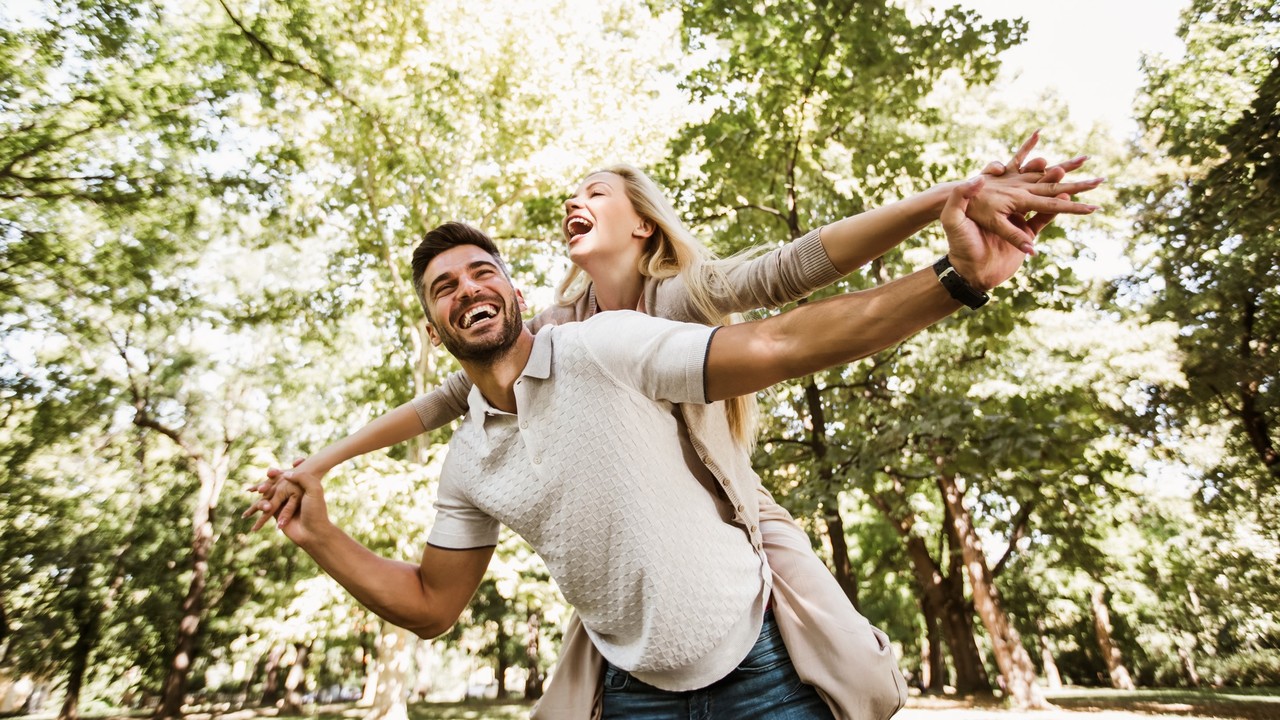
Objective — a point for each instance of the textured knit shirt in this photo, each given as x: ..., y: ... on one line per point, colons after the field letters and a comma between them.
x: 592, y: 472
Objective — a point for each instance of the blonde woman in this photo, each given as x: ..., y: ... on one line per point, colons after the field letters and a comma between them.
x: 630, y: 251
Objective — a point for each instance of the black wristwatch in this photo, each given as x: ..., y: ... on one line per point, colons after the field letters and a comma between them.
x: 955, y: 284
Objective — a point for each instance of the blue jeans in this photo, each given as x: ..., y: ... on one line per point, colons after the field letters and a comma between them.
x: 763, y: 686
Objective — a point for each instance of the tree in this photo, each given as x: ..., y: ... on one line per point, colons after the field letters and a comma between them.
x: 1213, y: 217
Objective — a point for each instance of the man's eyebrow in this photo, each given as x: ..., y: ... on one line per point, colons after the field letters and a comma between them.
x: 470, y: 266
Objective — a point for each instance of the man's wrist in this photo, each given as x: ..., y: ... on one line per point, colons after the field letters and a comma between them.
x: 958, y: 285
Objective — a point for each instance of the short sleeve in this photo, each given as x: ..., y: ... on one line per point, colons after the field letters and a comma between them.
x: 460, y: 525
x: 661, y: 359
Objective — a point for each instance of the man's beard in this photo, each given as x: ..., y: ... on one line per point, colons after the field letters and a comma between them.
x: 487, y: 350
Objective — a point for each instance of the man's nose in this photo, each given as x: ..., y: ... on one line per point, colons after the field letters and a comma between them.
x: 467, y: 286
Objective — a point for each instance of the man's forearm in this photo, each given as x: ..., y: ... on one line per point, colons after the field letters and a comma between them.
x: 390, y: 429
x: 391, y: 589
x: 857, y: 240
x: 749, y: 357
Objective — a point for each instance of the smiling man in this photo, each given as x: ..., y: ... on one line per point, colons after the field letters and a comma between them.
x: 645, y: 515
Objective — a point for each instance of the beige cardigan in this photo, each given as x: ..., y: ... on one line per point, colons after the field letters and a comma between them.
x: 831, y: 645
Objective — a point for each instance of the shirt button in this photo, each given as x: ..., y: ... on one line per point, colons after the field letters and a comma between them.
x: 724, y: 482
x: 524, y: 424
x: 741, y: 507
x: 537, y: 461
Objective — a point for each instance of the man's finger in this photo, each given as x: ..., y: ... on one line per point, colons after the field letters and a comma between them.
x: 958, y: 202
x: 995, y: 167
x: 1013, y: 235
x: 298, y: 461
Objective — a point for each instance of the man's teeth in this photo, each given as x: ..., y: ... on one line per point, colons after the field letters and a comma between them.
x: 479, y: 312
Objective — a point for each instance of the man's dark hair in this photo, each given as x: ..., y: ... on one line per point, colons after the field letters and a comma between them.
x: 446, y: 237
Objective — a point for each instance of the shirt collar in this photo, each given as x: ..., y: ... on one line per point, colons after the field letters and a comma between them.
x: 537, y: 366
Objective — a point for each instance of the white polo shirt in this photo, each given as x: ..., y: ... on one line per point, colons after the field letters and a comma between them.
x: 592, y: 472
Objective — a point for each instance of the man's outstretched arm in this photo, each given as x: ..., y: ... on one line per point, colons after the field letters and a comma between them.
x: 752, y: 356
x: 426, y: 598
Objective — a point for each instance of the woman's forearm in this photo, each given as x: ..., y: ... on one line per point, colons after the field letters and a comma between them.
x: 859, y: 239
x: 390, y: 429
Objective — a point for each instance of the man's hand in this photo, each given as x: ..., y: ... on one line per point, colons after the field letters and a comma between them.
x: 312, y: 513
x: 281, y: 493
x: 982, y: 257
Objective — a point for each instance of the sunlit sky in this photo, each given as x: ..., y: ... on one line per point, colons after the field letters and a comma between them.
x: 1088, y: 50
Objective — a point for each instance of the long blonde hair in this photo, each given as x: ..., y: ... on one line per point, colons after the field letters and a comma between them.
x: 673, y: 250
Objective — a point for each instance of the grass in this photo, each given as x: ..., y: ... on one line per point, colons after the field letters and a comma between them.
x: 1250, y: 703
x: 1071, y: 704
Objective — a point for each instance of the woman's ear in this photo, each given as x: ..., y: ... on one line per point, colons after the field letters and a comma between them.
x: 644, y: 229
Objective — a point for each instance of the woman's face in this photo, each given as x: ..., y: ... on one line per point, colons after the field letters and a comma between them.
x: 601, y: 225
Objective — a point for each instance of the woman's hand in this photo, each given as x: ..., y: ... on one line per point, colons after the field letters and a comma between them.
x: 281, y: 493
x: 1011, y: 192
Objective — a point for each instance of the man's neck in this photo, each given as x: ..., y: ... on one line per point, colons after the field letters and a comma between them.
x: 497, y: 378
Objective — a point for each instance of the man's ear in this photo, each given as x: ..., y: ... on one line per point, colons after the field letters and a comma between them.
x: 431, y: 333
x: 524, y: 307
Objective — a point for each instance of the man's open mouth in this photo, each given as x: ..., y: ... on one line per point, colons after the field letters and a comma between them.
x: 577, y: 226
x: 478, y: 313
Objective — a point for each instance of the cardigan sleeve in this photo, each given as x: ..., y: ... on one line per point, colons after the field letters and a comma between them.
x: 769, y: 280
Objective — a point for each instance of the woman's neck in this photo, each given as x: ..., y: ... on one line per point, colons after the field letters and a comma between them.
x: 620, y: 288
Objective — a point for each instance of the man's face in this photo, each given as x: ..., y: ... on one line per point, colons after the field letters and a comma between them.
x: 473, y: 308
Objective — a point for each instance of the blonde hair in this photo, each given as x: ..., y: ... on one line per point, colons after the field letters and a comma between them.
x: 673, y: 250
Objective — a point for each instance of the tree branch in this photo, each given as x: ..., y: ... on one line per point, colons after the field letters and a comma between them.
x: 1019, y: 531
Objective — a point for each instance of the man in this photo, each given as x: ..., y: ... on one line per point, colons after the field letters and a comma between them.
x: 643, y: 515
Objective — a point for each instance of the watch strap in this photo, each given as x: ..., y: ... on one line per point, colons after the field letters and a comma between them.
x: 957, y: 286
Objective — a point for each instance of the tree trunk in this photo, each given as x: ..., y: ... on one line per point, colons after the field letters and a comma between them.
x: 271, y: 685
x: 841, y: 567
x: 1011, y: 657
x: 533, y: 658
x: 971, y: 671
x: 295, y: 683
x: 393, y: 669
x: 932, y: 604
x: 1051, y: 673
x: 88, y: 622
x: 957, y: 624
x: 173, y: 692
x: 943, y: 598
x: 1189, y: 666
x: 1120, y: 679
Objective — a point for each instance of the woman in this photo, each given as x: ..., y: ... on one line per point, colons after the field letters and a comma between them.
x: 630, y: 251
